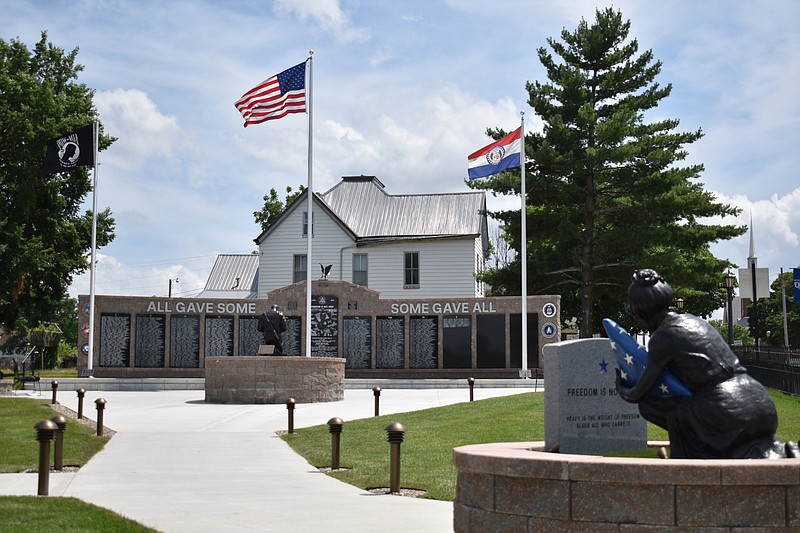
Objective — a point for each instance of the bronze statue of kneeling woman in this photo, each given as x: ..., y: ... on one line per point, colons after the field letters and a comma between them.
x: 729, y: 415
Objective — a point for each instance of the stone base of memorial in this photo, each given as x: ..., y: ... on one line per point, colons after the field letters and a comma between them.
x: 520, y: 487
x: 274, y: 379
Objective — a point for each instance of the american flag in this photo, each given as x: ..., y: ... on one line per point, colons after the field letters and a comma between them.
x: 631, y: 360
x: 275, y: 97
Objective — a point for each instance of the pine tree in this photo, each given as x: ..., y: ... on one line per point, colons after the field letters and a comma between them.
x: 605, y: 194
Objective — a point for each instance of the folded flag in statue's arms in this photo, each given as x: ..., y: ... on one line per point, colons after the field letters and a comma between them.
x: 498, y: 156
x: 275, y: 97
x: 631, y: 360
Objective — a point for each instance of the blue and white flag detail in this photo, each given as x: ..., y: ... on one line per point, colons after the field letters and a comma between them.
x: 498, y: 156
x: 631, y: 360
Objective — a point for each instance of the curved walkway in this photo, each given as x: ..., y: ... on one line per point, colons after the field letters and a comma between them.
x: 179, y: 464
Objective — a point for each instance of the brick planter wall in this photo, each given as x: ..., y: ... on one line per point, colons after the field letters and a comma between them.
x: 519, y: 487
x: 274, y: 379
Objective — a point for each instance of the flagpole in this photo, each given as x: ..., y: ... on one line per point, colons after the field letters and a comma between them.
x: 523, y: 248
x: 90, y: 362
x: 310, y: 192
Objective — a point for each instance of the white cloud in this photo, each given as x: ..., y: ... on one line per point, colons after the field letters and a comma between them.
x: 327, y: 14
x: 776, y: 222
x: 143, y: 132
x: 406, y: 156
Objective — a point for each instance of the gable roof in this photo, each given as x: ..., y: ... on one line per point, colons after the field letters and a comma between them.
x: 233, y: 276
x: 302, y: 200
x: 360, y: 206
x: 372, y: 214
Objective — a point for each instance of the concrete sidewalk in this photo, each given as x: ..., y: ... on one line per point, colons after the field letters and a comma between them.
x: 178, y: 464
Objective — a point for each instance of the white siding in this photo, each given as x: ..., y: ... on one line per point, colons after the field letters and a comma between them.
x: 276, y: 263
x: 445, y: 268
x: 480, y: 266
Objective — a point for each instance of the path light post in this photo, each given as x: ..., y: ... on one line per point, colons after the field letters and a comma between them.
x: 45, y: 432
x: 395, y: 432
x: 679, y: 304
x: 729, y: 281
x: 54, y: 386
x: 335, y: 427
x: 81, y: 394
x: 100, y: 404
x: 471, y: 382
x: 290, y: 408
x: 377, y: 393
x: 58, y: 448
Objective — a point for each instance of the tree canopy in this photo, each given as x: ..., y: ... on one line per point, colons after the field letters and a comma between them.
x: 605, y: 192
x: 44, y: 239
x: 274, y: 207
x: 770, y: 313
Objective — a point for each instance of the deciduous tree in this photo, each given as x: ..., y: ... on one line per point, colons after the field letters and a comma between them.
x: 44, y: 238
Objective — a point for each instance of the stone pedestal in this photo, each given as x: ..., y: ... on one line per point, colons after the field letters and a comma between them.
x: 274, y: 379
x: 519, y: 487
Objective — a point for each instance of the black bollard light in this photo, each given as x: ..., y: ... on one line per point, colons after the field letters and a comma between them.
x: 54, y: 386
x: 377, y: 393
x: 58, y: 447
x: 471, y: 382
x: 100, y: 403
x: 81, y: 394
x: 45, y: 432
x: 290, y: 407
x: 395, y: 432
x: 335, y: 427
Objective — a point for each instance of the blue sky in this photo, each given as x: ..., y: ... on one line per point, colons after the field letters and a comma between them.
x: 403, y: 91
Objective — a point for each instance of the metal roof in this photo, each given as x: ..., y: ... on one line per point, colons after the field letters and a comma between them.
x: 233, y: 276
x: 361, y: 203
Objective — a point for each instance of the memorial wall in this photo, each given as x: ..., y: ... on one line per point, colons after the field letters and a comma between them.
x: 163, y: 337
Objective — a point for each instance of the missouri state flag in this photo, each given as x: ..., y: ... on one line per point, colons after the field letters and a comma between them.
x: 496, y: 157
x: 275, y: 97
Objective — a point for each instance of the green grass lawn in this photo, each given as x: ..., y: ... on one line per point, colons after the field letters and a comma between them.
x: 19, y: 449
x: 431, y: 435
x: 24, y: 514
x: 426, y: 452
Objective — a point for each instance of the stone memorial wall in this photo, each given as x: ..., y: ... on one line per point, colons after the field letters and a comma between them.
x: 163, y: 337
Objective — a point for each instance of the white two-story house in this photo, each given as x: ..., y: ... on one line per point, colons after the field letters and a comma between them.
x: 403, y: 246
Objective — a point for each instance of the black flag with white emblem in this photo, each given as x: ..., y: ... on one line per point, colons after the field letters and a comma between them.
x: 70, y: 151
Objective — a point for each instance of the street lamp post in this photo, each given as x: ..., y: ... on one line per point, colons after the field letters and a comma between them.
x: 729, y: 280
x: 679, y: 303
x: 169, y: 294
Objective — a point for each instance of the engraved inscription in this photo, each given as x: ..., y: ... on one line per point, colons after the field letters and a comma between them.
x: 389, y: 345
x: 219, y: 336
x: 423, y: 342
x: 150, y: 341
x: 249, y: 336
x: 184, y: 345
x: 357, y: 341
x: 115, y: 336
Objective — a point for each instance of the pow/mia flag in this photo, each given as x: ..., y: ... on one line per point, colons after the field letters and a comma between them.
x: 70, y: 151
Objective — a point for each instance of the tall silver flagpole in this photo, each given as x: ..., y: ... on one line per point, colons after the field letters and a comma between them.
x: 90, y: 362
x: 310, y: 191
x: 523, y: 248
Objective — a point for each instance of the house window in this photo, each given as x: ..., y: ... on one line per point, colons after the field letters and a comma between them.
x: 360, y: 269
x: 305, y: 224
x: 411, y: 270
x: 300, y: 268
